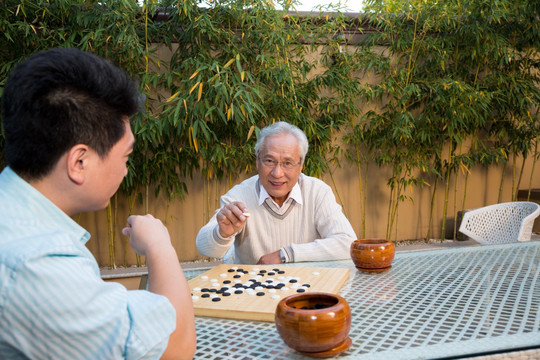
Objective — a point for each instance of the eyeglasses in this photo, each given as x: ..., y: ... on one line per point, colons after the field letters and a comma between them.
x: 285, y: 165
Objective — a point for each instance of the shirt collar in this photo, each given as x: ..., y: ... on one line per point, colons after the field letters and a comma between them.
x: 39, y: 206
x: 295, y: 194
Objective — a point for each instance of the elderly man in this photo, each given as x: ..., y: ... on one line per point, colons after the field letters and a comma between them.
x: 279, y: 215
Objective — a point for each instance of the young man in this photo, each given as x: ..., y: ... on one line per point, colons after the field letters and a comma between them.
x: 68, y: 138
x: 279, y: 215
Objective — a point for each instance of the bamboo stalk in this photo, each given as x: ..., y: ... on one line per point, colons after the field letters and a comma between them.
x: 112, y: 255
x: 501, y: 184
x: 532, y: 169
x: 516, y: 190
x: 337, y: 192
x: 446, y: 194
x: 454, y: 233
x: 388, y: 216
x: 361, y: 190
x: 513, y: 193
x: 432, y: 208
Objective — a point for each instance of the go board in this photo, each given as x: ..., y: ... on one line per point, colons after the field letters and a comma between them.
x: 252, y: 292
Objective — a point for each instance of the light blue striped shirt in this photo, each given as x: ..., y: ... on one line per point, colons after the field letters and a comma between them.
x: 53, y: 302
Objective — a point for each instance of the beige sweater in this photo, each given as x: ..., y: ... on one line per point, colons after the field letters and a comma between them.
x: 316, y: 230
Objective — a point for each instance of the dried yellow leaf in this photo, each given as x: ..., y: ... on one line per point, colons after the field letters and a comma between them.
x: 228, y: 63
x: 194, y: 86
x: 173, y: 96
x: 251, y: 130
x: 200, y: 92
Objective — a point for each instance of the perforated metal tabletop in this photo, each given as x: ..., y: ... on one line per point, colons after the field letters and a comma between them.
x: 432, y: 304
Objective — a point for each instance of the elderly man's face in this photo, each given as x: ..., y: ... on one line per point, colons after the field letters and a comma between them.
x: 279, y: 178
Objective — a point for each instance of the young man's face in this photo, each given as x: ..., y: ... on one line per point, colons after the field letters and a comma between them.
x: 111, y: 170
x: 278, y: 180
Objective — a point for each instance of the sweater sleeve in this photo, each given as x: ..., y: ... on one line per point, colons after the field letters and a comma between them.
x: 335, y: 230
x: 210, y: 243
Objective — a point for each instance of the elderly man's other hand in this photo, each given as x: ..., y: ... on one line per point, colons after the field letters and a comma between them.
x: 231, y: 218
x: 272, y: 258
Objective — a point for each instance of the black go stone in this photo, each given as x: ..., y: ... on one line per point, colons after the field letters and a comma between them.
x: 205, y: 295
x: 306, y: 285
x: 281, y: 272
x: 271, y: 273
x: 230, y: 270
x: 301, y: 290
x: 205, y: 290
x: 238, y: 291
x: 226, y: 293
x: 227, y: 281
x: 212, y: 290
x: 216, y: 299
x: 293, y: 281
x: 236, y: 276
x: 260, y: 293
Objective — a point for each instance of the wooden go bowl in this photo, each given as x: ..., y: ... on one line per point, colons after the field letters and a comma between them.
x: 372, y: 255
x: 316, y: 324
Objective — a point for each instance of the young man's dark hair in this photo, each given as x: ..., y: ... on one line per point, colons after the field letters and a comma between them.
x: 59, y: 98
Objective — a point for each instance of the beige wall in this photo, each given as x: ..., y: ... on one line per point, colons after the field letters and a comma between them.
x: 185, y: 217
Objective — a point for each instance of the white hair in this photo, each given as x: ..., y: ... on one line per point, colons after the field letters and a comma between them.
x: 279, y: 128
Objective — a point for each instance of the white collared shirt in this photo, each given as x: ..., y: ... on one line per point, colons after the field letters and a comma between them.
x: 295, y: 195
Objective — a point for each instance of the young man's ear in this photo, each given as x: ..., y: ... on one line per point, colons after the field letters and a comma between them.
x: 77, y: 163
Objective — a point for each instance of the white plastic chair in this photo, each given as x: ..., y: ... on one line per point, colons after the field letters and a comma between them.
x: 500, y: 223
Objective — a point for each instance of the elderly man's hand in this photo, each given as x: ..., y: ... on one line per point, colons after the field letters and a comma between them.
x: 272, y: 258
x: 231, y: 218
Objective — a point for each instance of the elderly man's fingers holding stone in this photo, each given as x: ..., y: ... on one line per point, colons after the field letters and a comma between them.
x: 231, y: 218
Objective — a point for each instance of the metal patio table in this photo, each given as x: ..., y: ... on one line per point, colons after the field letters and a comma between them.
x: 450, y: 303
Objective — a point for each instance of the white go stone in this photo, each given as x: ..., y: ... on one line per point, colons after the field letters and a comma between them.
x: 194, y: 297
x: 204, y: 277
x: 196, y: 289
x: 223, y: 275
x: 275, y: 296
x: 315, y: 273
